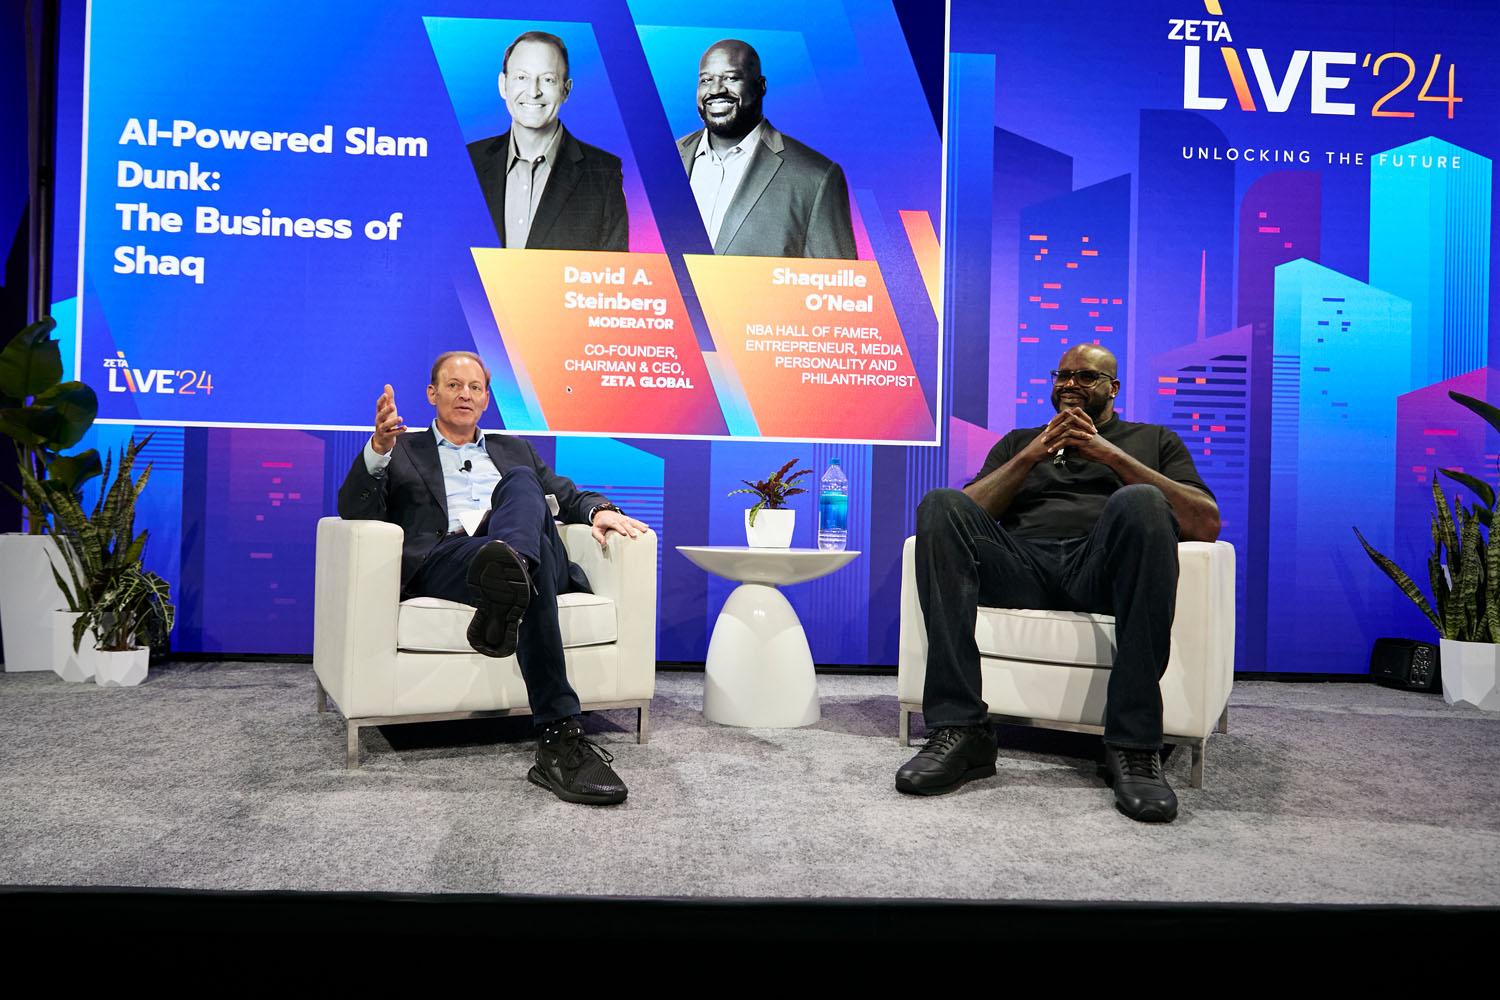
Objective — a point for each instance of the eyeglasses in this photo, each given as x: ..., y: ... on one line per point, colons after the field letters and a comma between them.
x: 1085, y: 377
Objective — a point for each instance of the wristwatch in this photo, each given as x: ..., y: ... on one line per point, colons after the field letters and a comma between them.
x: 603, y: 506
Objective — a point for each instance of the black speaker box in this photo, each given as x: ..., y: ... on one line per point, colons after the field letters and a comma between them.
x: 1406, y: 664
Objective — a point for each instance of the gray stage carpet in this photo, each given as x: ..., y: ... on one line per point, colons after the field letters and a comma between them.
x: 221, y: 776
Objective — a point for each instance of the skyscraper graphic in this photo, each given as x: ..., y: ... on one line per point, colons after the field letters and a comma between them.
x: 1184, y: 237
x: 1433, y: 432
x: 1073, y: 282
x: 1342, y: 351
x: 1430, y: 244
x: 1203, y: 391
x: 1280, y: 220
x: 1026, y: 172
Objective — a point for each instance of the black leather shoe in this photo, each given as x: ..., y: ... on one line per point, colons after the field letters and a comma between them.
x: 1141, y: 790
x: 952, y: 756
x: 574, y: 769
x: 502, y: 593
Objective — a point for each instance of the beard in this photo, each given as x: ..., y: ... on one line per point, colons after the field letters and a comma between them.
x: 1096, y: 406
x: 742, y: 117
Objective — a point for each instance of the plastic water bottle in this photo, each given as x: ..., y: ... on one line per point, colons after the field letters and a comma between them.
x: 833, y: 509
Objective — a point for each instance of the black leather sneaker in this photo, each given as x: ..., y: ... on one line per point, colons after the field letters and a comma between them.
x: 573, y: 768
x: 502, y: 593
x: 1141, y: 790
x: 952, y: 756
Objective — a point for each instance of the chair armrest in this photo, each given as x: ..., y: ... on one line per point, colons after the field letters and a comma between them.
x: 357, y: 588
x: 625, y: 572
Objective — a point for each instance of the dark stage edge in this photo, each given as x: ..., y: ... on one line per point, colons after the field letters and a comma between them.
x: 34, y: 914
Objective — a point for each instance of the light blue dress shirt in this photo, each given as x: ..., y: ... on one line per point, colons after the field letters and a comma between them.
x: 467, y: 489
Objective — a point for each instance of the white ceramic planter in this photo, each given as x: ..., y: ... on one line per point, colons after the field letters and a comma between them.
x: 65, y: 661
x: 772, y: 529
x: 1471, y: 674
x: 28, y: 596
x: 115, y: 669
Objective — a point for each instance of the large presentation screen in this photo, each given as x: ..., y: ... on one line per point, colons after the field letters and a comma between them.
x: 648, y: 222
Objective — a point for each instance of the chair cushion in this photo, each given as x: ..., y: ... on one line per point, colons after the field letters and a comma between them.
x: 433, y: 625
x: 1073, y: 638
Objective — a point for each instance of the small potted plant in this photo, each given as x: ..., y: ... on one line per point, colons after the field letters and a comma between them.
x: 1463, y: 571
x: 42, y: 415
x: 774, y: 530
x: 115, y: 597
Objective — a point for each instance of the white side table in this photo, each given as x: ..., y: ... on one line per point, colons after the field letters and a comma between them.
x: 759, y: 670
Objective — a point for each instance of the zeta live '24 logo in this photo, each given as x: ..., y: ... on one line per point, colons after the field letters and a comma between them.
x: 166, y: 381
x: 1322, y: 71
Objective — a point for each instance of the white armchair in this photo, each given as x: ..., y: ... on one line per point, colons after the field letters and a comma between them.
x: 1051, y: 668
x: 388, y: 661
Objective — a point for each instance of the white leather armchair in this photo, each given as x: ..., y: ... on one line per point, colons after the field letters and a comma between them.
x: 1051, y: 668
x: 388, y: 661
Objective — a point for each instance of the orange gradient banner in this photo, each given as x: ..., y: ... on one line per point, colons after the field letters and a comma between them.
x: 603, y: 340
x: 816, y: 346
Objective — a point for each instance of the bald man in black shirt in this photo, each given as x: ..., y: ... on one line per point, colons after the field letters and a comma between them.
x: 1083, y: 514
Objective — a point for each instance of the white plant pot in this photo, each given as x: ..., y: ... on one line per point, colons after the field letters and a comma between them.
x: 123, y: 669
x: 772, y: 529
x: 1471, y: 674
x: 65, y: 661
x: 28, y: 596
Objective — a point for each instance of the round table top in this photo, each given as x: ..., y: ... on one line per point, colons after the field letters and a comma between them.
x: 777, y: 567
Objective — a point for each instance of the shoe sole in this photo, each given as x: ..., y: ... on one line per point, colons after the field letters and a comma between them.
x: 539, y: 777
x: 503, y: 591
x: 982, y: 771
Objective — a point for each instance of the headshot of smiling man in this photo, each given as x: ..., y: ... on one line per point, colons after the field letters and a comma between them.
x: 760, y: 192
x: 546, y: 190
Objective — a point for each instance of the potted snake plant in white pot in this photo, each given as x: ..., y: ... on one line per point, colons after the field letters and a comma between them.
x: 119, y: 602
x: 1463, y: 571
x: 42, y: 415
x: 768, y: 524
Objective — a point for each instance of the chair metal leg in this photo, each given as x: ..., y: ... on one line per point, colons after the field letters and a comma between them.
x: 905, y: 728
x: 322, y: 698
x: 351, y: 759
x: 643, y: 724
x: 1198, y: 748
x: 1224, y: 720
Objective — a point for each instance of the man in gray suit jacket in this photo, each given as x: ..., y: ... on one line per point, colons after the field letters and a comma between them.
x: 511, y: 566
x: 546, y: 190
x: 761, y: 193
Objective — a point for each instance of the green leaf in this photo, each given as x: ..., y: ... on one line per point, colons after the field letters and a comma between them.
x: 1479, y: 406
x: 1482, y: 489
x: 75, y: 406
x: 72, y: 471
x: 1403, y: 581
x: 31, y: 362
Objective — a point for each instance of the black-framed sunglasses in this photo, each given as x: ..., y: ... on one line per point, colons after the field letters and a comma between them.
x: 1085, y: 377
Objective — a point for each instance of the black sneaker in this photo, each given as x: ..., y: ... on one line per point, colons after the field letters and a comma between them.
x: 952, y: 756
x: 1141, y: 790
x: 575, y: 769
x: 502, y: 593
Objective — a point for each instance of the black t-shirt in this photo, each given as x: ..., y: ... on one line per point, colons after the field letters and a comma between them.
x: 1064, y: 501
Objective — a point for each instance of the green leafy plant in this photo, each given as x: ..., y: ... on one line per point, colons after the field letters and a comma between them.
x: 1463, y: 569
x: 44, y: 415
x: 774, y: 490
x: 117, y: 598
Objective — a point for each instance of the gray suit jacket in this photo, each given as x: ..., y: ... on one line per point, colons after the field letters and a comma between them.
x: 411, y: 493
x: 581, y: 208
x: 792, y: 202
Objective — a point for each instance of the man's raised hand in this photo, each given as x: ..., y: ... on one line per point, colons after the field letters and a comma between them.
x: 388, y: 423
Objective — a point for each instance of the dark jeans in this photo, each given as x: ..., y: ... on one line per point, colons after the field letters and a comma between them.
x: 1127, y: 567
x: 520, y: 517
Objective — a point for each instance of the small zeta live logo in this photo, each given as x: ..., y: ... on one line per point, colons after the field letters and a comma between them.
x: 165, y: 381
x: 1322, y: 71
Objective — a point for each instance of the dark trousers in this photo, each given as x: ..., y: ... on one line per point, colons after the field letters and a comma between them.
x: 1127, y: 567
x: 520, y: 518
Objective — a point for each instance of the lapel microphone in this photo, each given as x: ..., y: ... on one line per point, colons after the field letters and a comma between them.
x: 468, y: 466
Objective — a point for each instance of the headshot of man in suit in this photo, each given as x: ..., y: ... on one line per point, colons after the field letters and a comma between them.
x: 761, y: 193
x: 545, y: 189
